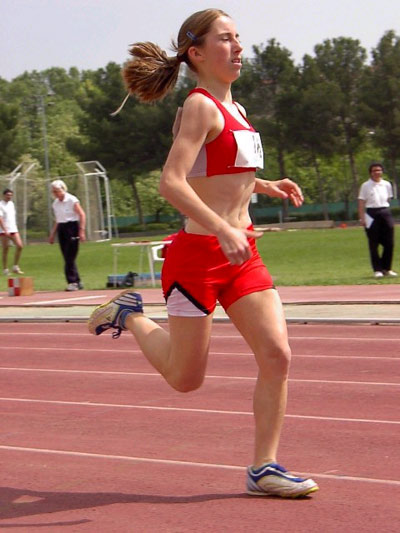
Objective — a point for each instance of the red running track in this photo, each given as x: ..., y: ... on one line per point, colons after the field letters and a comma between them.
x: 94, y: 441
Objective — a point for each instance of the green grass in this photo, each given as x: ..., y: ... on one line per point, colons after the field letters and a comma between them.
x: 303, y: 257
x: 321, y: 257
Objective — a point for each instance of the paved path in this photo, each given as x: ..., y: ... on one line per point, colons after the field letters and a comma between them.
x: 365, y: 303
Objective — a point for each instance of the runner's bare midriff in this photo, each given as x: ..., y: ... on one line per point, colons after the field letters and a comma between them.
x: 228, y: 195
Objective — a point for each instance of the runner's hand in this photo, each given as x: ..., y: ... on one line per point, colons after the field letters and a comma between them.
x: 285, y: 188
x: 235, y: 245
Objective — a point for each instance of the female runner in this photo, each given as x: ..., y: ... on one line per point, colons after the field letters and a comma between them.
x: 209, y: 176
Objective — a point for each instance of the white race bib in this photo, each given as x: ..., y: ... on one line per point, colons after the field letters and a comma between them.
x: 249, y: 149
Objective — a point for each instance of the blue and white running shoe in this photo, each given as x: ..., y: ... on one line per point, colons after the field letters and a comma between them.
x: 273, y: 480
x: 113, y: 314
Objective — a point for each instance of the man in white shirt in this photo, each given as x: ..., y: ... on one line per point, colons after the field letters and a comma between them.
x: 9, y: 231
x: 376, y: 217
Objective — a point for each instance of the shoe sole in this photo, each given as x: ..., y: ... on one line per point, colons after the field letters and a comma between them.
x: 291, y: 496
x: 98, y: 310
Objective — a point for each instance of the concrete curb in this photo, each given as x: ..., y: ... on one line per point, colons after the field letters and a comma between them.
x: 327, y: 312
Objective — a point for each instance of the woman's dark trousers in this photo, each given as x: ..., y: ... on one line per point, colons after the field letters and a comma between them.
x: 68, y: 238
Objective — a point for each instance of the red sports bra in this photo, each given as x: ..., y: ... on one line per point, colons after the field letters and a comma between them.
x: 236, y: 149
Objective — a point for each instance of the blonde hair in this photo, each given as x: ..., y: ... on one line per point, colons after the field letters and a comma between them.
x: 151, y: 74
x: 59, y: 184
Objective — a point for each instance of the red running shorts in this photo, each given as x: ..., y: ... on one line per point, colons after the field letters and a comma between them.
x: 196, y: 274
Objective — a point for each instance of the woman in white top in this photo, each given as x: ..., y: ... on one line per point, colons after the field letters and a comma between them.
x: 375, y: 215
x: 9, y: 231
x: 70, y: 220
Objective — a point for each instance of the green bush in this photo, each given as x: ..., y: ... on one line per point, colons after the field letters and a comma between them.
x: 131, y: 228
x: 158, y: 226
x: 33, y: 235
x: 396, y: 212
x: 266, y: 219
x: 162, y: 227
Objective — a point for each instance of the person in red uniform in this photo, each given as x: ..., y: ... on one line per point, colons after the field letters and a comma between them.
x: 209, y: 176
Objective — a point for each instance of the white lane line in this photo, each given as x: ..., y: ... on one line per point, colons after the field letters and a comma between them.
x: 208, y: 376
x: 214, y: 336
x: 133, y: 351
x: 68, y: 349
x: 46, y: 334
x: 312, y: 337
x: 193, y: 410
x: 185, y: 463
x: 394, y: 358
x: 377, y: 339
x: 62, y: 300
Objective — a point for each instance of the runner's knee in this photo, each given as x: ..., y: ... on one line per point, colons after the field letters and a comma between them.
x: 275, y: 360
x: 183, y: 382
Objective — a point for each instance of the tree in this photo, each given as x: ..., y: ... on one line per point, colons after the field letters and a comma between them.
x: 47, y: 116
x: 269, y: 88
x: 152, y: 202
x: 381, y: 99
x: 9, y: 149
x: 315, y: 125
x: 129, y: 145
x: 342, y: 61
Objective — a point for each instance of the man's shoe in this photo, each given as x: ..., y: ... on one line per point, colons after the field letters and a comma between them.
x: 16, y: 270
x: 378, y: 274
x: 6, y: 271
x: 113, y: 314
x: 274, y: 480
x: 72, y: 287
x: 390, y: 273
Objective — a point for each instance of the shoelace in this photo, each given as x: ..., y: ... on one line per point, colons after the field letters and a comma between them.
x: 117, y: 333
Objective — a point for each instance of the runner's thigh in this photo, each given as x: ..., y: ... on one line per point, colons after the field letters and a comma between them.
x: 189, y: 344
x: 260, y: 319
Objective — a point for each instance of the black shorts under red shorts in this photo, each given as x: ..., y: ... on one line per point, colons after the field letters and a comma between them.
x: 196, y: 274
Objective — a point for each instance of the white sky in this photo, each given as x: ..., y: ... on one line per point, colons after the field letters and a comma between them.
x: 38, y: 34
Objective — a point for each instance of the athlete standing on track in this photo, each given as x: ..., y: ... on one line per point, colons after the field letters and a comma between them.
x: 210, y: 176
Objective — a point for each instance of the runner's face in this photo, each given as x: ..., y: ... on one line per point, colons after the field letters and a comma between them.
x: 222, y: 50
